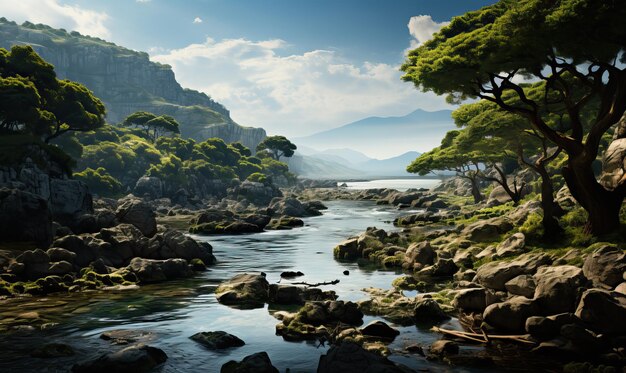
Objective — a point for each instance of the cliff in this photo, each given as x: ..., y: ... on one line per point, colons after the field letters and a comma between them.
x: 127, y: 81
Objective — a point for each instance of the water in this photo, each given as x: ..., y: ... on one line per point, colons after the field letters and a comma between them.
x: 176, y: 310
x: 398, y: 184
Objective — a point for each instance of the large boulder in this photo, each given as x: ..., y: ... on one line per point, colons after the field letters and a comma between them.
x: 603, y: 311
x: 69, y: 198
x: 149, y: 186
x: 134, y: 359
x: 348, y: 357
x: 348, y: 249
x: 379, y: 329
x: 614, y: 159
x: 245, y: 290
x: 557, y: 288
x: 24, y: 217
x: 421, y: 253
x: 427, y: 310
x: 217, y: 340
x: 289, y: 207
x: 125, y: 242
x: 139, y: 214
x: 256, y: 363
x: 470, y: 299
x: 291, y: 294
x: 178, y: 245
x: 605, y: 266
x: 35, y: 263
x: 510, y: 315
x: 84, y: 253
x: 512, y: 246
x: 495, y: 275
x: 486, y: 230
x: 152, y: 270
x: 521, y: 285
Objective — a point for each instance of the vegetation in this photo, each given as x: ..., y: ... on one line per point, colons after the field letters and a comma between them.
x: 154, y: 126
x: 277, y: 146
x: 572, y: 47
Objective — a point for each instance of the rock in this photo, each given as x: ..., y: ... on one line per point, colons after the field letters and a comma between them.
x: 521, y: 285
x: 605, y: 266
x: 557, y: 288
x: 582, y: 339
x: 85, y: 253
x: 127, y: 336
x: 348, y: 249
x: 289, y: 207
x: 421, y: 253
x: 134, y: 359
x: 512, y: 246
x: 564, y: 198
x: 603, y: 311
x: 291, y: 274
x: 621, y: 288
x: 256, y: 363
x: 614, y: 159
x: 69, y: 198
x: 346, y: 312
x: 346, y: 273
x: 60, y: 268
x: 57, y: 254
x: 379, y: 329
x: 152, y: 270
x: 185, y: 247
x: 259, y: 220
x: 511, y: 314
x: 545, y: 328
x: 444, y: 347
x: 485, y: 230
x: 349, y: 357
x: 495, y: 275
x: 52, y: 350
x: 217, y: 340
x: 470, y: 300
x: 444, y: 268
x: 285, y: 222
x: 125, y: 241
x: 247, y: 290
x: 521, y: 212
x: 24, y: 217
x: 291, y: 294
x: 427, y: 310
x: 150, y: 186
x: 139, y: 214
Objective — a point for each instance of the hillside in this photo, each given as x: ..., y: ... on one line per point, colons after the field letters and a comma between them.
x: 384, y: 137
x: 127, y: 81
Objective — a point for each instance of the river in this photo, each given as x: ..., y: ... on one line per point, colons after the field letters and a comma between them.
x: 176, y: 310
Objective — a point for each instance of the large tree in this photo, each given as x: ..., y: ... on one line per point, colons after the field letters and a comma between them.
x: 575, y: 47
x: 35, y: 102
x: 277, y: 146
x: 154, y: 126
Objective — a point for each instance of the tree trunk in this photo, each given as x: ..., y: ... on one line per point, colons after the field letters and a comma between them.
x: 478, y: 197
x: 551, y: 227
x: 602, y: 205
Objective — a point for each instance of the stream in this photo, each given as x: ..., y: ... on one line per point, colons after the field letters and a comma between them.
x: 175, y: 310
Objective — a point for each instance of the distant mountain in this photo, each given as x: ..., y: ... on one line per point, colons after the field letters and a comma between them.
x: 127, y: 81
x: 395, y: 166
x: 385, y: 136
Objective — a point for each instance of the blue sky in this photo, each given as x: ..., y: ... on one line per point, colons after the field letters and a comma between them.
x: 292, y: 67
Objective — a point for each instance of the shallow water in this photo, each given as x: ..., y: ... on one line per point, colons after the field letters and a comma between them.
x: 176, y: 310
x: 398, y: 184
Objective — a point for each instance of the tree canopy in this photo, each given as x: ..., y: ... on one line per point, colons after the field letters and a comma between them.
x: 277, y: 146
x: 572, y: 46
x: 154, y: 126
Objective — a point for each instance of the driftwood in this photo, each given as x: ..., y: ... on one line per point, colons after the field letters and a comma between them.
x: 316, y: 284
x: 483, y: 337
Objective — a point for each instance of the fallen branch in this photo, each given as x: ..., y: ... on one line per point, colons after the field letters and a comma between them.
x: 484, y: 337
x: 317, y: 284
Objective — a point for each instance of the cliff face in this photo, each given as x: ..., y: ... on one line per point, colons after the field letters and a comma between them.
x: 127, y: 81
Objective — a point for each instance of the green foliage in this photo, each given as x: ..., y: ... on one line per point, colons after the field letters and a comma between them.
x: 154, y: 126
x: 277, y: 146
x: 99, y: 181
x: 257, y: 177
x: 532, y: 227
x: 182, y: 148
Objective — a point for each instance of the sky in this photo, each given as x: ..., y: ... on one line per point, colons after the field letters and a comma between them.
x: 293, y: 67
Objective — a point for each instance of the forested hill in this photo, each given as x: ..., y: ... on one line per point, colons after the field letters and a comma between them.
x: 127, y: 81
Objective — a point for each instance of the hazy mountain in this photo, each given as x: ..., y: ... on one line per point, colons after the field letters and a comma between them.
x: 383, y: 137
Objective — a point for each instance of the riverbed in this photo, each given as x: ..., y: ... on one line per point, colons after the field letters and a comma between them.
x: 176, y: 310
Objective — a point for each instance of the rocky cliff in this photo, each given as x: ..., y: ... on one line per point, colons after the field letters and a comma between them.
x: 127, y: 81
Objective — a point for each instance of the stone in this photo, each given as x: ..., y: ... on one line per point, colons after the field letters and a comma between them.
x: 24, y: 217
x: 348, y: 249
x: 150, y: 186
x: 84, y: 253
x: 256, y: 363
x: 605, y: 266
x: 379, y: 329
x: 36, y: 263
x: 521, y: 285
x: 69, y: 198
x: 185, y: 247
x: 495, y: 275
x: 470, y: 300
x: 289, y: 207
x: 485, y: 230
x: 127, y: 336
x: 217, y: 340
x: 57, y: 254
x: 557, y: 288
x: 512, y: 246
x: 614, y: 158
x: 60, y: 268
x: 285, y: 222
x: 52, y: 350
x: 291, y: 294
x: 444, y: 268
x: 603, y: 311
x: 152, y: 270
x: 427, y: 310
x: 246, y: 290
x: 621, y: 288
x: 139, y: 214
x: 510, y: 315
x: 133, y: 359
x: 443, y: 347
x: 546, y: 328
x: 349, y: 357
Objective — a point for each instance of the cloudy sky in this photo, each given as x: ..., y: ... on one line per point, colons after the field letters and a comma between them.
x: 292, y: 67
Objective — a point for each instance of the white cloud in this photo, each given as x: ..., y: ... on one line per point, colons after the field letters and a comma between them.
x: 295, y: 94
x: 197, y: 20
x: 422, y: 28
x: 56, y: 14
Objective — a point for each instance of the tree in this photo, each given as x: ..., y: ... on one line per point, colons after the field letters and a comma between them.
x: 278, y: 146
x: 572, y: 46
x: 447, y: 157
x: 35, y: 102
x: 154, y: 126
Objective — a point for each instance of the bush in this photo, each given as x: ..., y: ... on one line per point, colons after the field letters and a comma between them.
x: 99, y: 181
x: 257, y: 177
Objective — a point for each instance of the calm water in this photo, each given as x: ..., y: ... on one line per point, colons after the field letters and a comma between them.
x: 176, y: 310
x: 398, y: 184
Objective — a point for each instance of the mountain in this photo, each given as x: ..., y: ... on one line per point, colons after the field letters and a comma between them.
x: 385, y: 136
x: 395, y: 166
x: 127, y: 81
